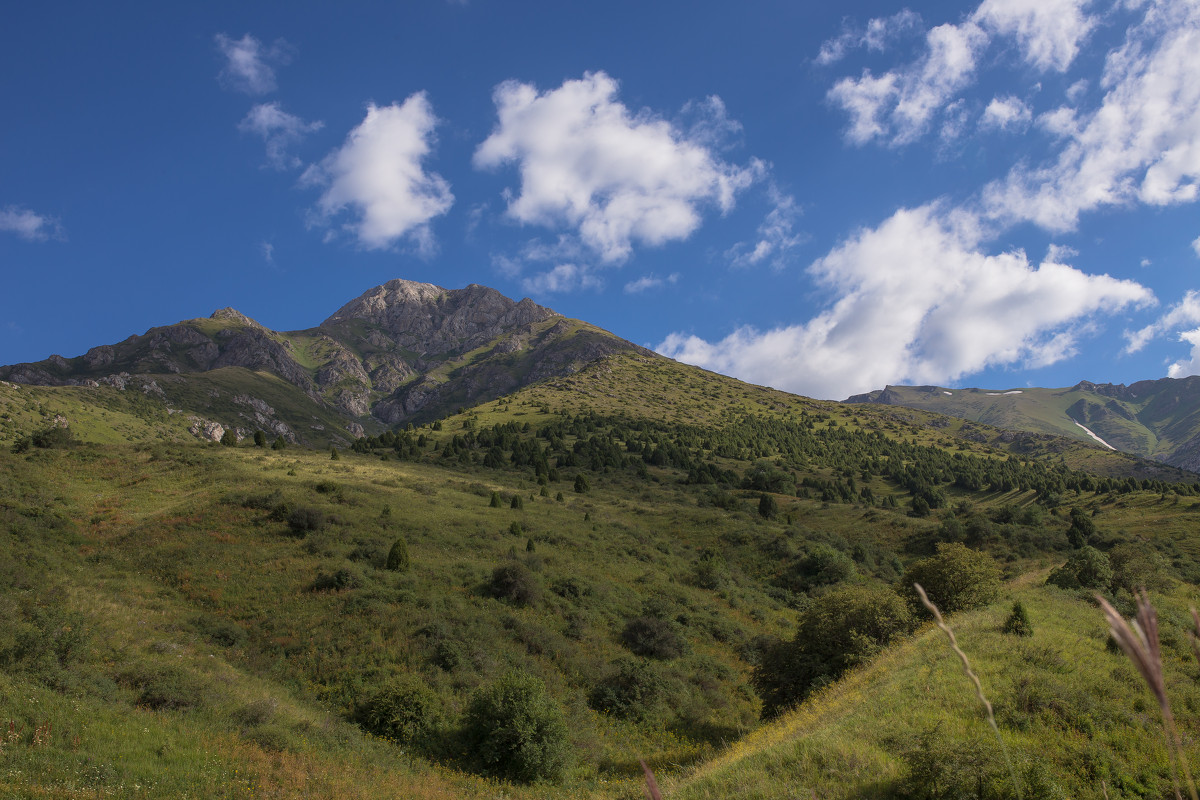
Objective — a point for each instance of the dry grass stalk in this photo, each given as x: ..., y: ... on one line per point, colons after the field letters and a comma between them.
x: 652, y: 790
x: 991, y: 718
x: 1139, y: 642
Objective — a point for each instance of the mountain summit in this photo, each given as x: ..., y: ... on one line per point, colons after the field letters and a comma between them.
x: 403, y: 351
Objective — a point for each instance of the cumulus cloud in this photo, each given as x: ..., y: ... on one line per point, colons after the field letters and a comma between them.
x: 1185, y: 314
x: 378, y: 177
x: 1049, y: 32
x: 776, y: 236
x: 562, y: 278
x: 1006, y: 114
x: 901, y: 105
x: 1141, y: 145
x: 875, y: 36
x: 1196, y: 245
x: 615, y: 177
x: 249, y: 65
x: 279, y: 131
x: 28, y: 225
x: 917, y: 299
x: 647, y: 282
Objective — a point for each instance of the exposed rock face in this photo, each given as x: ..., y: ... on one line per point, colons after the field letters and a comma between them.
x: 400, y: 351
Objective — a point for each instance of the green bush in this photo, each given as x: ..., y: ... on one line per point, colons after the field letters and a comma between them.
x: 302, y: 521
x: 838, y: 630
x: 397, y: 558
x: 339, y: 580
x: 1087, y: 568
x: 822, y: 565
x: 162, y: 687
x: 768, y: 508
x: 1137, y: 565
x: 404, y: 710
x: 1018, y: 623
x: 516, y: 731
x: 634, y: 691
x: 955, y: 578
x: 653, y: 637
x: 514, y: 583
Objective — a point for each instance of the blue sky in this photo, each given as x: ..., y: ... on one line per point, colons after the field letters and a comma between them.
x: 826, y: 201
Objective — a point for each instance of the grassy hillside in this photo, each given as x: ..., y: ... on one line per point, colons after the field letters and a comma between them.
x: 208, y: 621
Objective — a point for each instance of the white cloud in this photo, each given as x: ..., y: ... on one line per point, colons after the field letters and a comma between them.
x: 1196, y: 245
x: 1049, y: 32
x: 378, y: 174
x: 563, y: 278
x: 900, y: 106
x: 1141, y: 145
x: 1006, y: 114
x: 917, y: 300
x: 249, y: 65
x: 647, y: 282
x: 30, y: 226
x: 279, y: 131
x: 875, y: 36
x: 776, y: 236
x: 1185, y: 314
x: 588, y: 163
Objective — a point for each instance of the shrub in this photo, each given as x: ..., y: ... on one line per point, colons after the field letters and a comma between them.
x: 302, y: 521
x: 1088, y: 568
x: 581, y: 483
x: 516, y: 731
x: 495, y: 501
x: 515, y: 584
x: 162, y: 688
x: 653, y: 637
x: 229, y: 438
x: 823, y: 565
x: 397, y: 558
x: 517, y: 502
x: 838, y: 630
x: 955, y: 578
x: 633, y: 691
x: 260, y: 439
x: 340, y: 580
x: 404, y: 710
x: 768, y: 508
x: 1018, y: 623
x: 710, y: 571
x: 1137, y: 565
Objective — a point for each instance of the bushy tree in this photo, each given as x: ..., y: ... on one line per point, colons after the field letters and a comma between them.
x: 838, y: 630
x: 955, y: 578
x: 260, y: 439
x: 822, y: 565
x: 514, y: 583
x: 634, y: 690
x: 1018, y: 623
x: 768, y: 508
x: 1082, y: 528
x: 1137, y: 565
x: 516, y: 731
x: 404, y: 710
x: 229, y: 438
x: 397, y: 558
x: 653, y: 637
x: 581, y: 484
x: 495, y: 501
x: 1088, y: 568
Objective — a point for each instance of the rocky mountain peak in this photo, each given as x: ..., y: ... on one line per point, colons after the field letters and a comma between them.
x: 233, y: 315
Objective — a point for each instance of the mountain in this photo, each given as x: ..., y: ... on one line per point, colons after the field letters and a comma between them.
x: 401, y: 352
x: 623, y: 548
x: 1158, y: 419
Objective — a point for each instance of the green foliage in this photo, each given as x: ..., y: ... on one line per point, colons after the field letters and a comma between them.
x: 955, y: 578
x: 1082, y: 528
x: 404, y: 710
x: 279, y: 443
x: 260, y: 439
x: 1087, y: 568
x: 1018, y: 623
x: 821, y: 565
x: 515, y: 730
x: 162, y: 687
x: 768, y: 508
x: 838, y: 630
x: 333, y: 454
x: 653, y: 637
x: 634, y: 690
x: 517, y: 502
x: 397, y: 557
x: 581, y: 484
x: 514, y: 584
x: 304, y: 520
x: 1137, y: 565
x: 495, y: 501
x: 229, y: 438
x: 711, y: 571
x: 337, y: 581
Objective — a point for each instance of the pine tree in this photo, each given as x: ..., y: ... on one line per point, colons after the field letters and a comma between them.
x: 397, y: 560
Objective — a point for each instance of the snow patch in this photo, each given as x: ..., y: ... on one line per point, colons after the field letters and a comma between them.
x: 948, y: 394
x: 1094, y: 436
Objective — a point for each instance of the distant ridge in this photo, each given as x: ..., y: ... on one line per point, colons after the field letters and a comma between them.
x: 1158, y: 419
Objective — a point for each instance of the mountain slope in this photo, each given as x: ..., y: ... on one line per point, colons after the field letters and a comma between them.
x: 401, y: 352
x: 1157, y: 419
